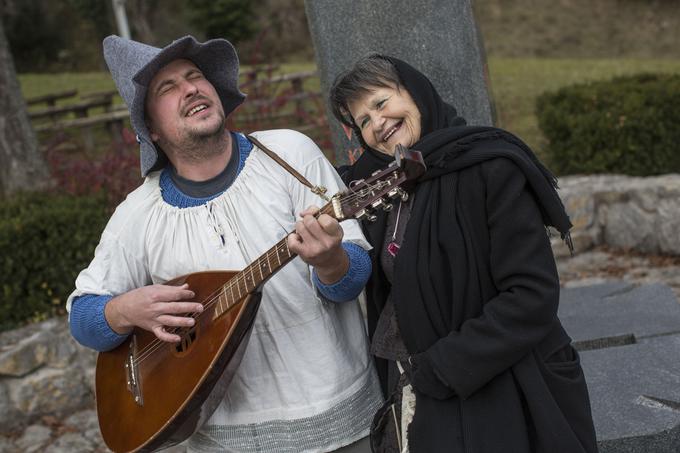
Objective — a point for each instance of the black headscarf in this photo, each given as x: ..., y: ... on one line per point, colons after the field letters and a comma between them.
x: 447, y: 145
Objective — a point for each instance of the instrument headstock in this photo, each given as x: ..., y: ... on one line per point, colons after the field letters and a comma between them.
x: 365, y: 196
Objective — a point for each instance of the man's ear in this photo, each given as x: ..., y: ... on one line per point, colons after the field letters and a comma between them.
x: 154, y: 135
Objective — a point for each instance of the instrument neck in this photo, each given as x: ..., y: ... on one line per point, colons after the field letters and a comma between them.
x: 258, y: 272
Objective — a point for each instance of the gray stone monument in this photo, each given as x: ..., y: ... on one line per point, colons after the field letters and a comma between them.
x: 438, y: 37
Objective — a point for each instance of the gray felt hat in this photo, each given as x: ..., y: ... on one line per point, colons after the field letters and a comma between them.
x: 133, y: 65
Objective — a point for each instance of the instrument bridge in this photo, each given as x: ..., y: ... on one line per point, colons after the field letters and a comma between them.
x: 132, y: 373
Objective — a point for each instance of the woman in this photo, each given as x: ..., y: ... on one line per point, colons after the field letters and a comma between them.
x: 462, y: 304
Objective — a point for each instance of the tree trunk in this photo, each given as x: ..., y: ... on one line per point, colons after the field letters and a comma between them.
x: 22, y: 166
x: 141, y: 13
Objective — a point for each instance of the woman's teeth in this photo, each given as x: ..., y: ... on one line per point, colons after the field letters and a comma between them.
x: 391, y: 131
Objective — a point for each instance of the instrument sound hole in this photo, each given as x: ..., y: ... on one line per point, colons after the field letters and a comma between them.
x: 188, y: 337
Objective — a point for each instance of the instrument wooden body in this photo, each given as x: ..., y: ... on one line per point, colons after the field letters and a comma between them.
x: 176, y: 380
x: 152, y: 394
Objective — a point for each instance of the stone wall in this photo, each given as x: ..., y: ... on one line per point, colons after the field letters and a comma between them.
x: 43, y: 372
x: 624, y: 212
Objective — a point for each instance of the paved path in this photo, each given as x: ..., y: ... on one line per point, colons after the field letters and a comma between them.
x: 80, y: 433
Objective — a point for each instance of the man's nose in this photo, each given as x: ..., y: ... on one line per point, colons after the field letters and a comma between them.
x: 189, y: 88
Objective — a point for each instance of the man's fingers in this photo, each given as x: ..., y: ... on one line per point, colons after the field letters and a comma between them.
x: 179, y: 307
x: 311, y: 210
x: 302, y: 232
x: 184, y: 294
x: 176, y: 321
x: 163, y: 335
x: 330, y: 225
x: 318, y: 227
x: 173, y: 293
x: 322, y: 233
x: 294, y: 243
x: 164, y: 293
x: 313, y: 227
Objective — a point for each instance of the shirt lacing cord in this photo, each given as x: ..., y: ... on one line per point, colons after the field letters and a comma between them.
x: 214, y: 224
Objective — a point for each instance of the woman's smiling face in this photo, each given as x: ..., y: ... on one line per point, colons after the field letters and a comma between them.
x: 386, y: 116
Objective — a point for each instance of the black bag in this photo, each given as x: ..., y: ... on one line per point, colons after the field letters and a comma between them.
x: 386, y: 435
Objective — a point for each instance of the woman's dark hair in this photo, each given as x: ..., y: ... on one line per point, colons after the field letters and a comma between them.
x: 371, y: 71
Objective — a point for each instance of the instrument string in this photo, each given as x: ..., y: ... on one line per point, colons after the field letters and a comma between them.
x: 242, y: 277
x: 214, y: 297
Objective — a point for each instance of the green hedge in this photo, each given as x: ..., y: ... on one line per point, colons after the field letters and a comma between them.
x: 628, y: 125
x: 45, y: 240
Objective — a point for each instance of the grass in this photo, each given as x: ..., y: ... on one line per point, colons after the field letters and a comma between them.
x: 515, y: 83
x: 34, y: 85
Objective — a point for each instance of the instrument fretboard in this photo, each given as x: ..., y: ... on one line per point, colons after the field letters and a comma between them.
x: 257, y: 272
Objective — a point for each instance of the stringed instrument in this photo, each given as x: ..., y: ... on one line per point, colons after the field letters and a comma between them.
x: 153, y: 394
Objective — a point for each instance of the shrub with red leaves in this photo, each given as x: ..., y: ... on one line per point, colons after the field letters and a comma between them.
x: 114, y: 171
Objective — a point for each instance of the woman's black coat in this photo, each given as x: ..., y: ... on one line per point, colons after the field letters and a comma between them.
x: 476, y: 294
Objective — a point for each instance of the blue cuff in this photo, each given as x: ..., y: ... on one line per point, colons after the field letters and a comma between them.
x: 351, y: 284
x: 89, y: 325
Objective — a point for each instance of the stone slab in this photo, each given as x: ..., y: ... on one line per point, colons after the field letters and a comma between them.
x: 439, y: 37
x: 635, y: 395
x: 618, y: 313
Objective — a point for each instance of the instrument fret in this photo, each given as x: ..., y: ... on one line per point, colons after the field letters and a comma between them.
x: 223, y: 297
x: 259, y: 266
x: 248, y: 280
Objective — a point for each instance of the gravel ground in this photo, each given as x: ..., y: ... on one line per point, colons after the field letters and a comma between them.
x: 604, y: 264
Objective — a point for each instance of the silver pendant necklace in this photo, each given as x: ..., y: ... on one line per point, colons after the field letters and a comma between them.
x: 393, y: 247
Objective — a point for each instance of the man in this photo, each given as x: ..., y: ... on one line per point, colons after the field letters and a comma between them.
x: 212, y: 200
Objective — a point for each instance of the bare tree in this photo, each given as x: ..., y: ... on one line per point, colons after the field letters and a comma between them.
x: 22, y: 166
x: 141, y: 14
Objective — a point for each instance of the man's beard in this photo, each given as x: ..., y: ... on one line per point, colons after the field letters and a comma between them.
x: 198, y: 144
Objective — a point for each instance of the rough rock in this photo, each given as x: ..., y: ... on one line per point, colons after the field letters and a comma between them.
x: 638, y: 213
x: 34, y: 439
x: 50, y: 391
x: 25, y: 356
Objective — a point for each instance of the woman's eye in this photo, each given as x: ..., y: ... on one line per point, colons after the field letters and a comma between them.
x: 380, y: 104
x: 363, y: 123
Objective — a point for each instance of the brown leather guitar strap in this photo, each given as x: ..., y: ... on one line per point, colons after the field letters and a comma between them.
x: 318, y: 190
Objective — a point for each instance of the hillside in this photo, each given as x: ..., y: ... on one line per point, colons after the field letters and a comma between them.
x: 580, y: 28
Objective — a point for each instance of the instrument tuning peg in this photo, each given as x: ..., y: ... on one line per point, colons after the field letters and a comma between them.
x: 403, y: 194
x: 365, y: 214
x: 387, y: 207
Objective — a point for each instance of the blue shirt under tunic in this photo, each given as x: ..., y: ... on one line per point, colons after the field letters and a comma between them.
x: 87, y: 320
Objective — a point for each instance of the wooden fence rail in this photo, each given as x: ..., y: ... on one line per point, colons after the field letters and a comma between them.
x: 51, y: 99
x: 273, y: 102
